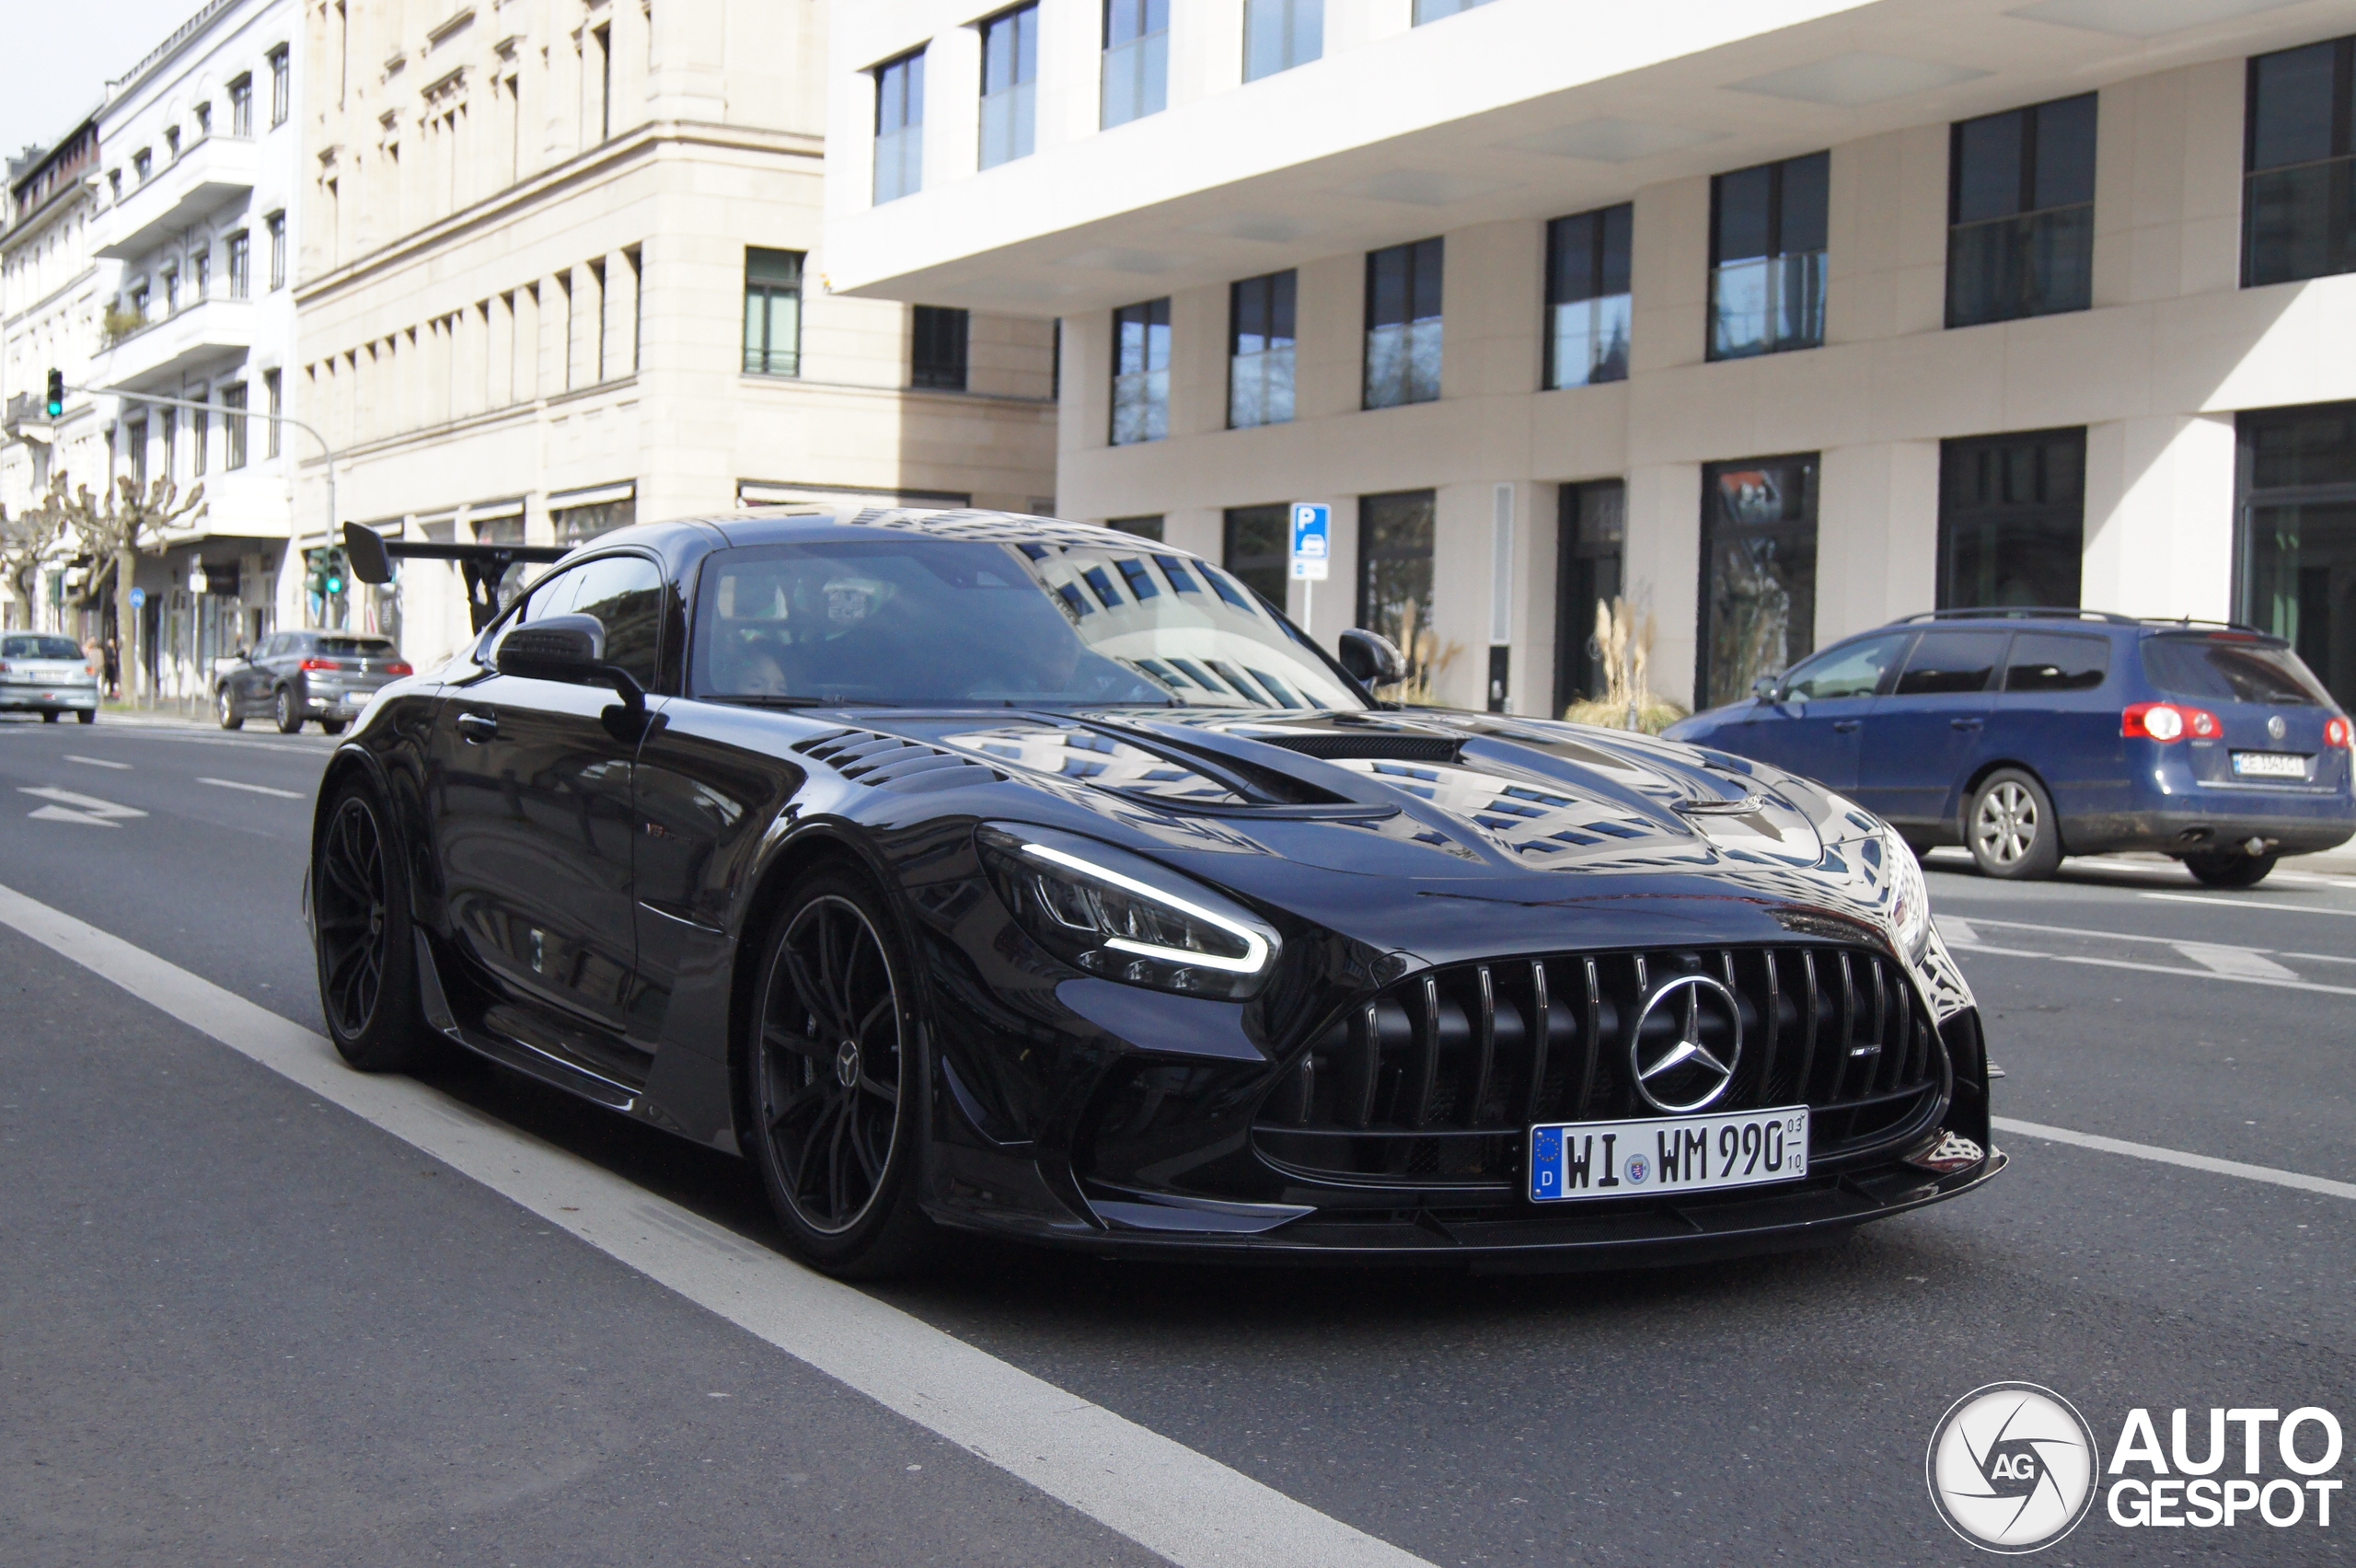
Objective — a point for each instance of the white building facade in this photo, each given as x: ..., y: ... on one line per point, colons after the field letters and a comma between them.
x: 198, y: 205
x: 562, y: 271
x: 1781, y: 319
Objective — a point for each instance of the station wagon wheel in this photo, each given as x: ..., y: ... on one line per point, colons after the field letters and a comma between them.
x: 361, y: 927
x: 2011, y: 827
x: 833, y: 1081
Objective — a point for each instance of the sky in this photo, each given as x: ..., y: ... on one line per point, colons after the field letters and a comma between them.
x: 55, y: 57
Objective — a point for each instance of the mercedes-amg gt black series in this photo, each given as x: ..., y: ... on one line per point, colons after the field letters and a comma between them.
x: 1024, y: 877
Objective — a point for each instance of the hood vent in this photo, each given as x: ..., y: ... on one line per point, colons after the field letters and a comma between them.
x: 888, y: 762
x: 1367, y: 748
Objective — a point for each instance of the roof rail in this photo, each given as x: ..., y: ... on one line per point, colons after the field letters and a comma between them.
x: 2189, y: 622
x: 2021, y: 612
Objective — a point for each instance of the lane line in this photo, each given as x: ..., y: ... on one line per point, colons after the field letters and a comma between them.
x: 2215, y: 1167
x: 2085, y: 931
x: 2242, y: 964
x: 1957, y: 931
x: 2246, y: 904
x: 1182, y: 1504
x: 256, y: 789
x: 2279, y: 983
x: 97, y: 762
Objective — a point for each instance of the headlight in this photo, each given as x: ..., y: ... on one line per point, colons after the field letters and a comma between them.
x: 1910, y: 896
x: 1123, y: 918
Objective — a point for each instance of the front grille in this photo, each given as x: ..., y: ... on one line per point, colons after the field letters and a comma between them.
x: 1437, y: 1079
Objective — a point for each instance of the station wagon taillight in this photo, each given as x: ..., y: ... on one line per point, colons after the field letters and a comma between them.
x: 2169, y: 722
x: 2338, y: 732
x: 398, y: 668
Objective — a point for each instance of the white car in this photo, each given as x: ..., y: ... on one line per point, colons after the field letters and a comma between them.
x: 44, y: 674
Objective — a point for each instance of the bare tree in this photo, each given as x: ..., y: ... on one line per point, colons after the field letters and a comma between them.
x: 24, y: 540
x: 131, y: 525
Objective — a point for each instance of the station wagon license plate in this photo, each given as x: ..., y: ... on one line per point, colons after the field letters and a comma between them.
x: 2269, y: 764
x: 1676, y: 1154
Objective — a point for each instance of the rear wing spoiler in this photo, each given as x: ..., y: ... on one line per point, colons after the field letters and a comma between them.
x: 372, y: 557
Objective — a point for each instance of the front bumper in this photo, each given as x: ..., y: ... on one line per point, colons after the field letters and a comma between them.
x: 27, y: 699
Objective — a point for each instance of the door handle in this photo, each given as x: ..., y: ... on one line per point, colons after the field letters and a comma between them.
x: 1967, y: 723
x: 1846, y: 726
x: 478, y: 729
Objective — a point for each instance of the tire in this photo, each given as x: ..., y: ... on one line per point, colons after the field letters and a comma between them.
x: 2011, y: 828
x: 2230, y: 868
x: 333, y: 726
x: 86, y: 716
x: 49, y: 715
x: 289, y: 717
x: 365, y: 951
x: 225, y: 708
x: 830, y: 1068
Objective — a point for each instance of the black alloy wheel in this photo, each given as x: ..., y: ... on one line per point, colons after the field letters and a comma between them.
x: 289, y: 717
x: 360, y: 918
x: 2230, y: 868
x: 49, y: 715
x: 86, y: 716
x: 2011, y: 829
x: 833, y: 1081
x: 333, y: 726
x: 232, y: 715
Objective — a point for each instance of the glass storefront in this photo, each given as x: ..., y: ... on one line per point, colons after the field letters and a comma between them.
x: 2012, y: 519
x: 1758, y: 574
x: 2294, y: 569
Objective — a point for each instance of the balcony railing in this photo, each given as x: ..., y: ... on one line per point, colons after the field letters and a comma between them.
x: 213, y: 172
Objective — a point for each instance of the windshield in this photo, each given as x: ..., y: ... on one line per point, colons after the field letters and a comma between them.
x: 38, y: 647
x: 910, y: 620
x: 2226, y: 669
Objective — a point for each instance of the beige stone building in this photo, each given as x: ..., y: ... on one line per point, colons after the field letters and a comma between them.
x: 561, y: 270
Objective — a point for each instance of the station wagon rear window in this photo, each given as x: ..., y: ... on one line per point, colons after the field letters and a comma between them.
x: 2231, y: 669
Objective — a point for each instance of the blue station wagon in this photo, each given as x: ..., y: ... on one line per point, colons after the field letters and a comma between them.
x: 2028, y: 735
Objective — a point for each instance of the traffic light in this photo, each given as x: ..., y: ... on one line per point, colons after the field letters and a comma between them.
x: 56, y: 393
x: 315, y: 573
x: 335, y: 570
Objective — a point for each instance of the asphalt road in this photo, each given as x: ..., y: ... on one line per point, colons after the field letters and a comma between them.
x: 238, y: 1323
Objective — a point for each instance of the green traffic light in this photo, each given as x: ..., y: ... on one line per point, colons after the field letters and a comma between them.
x: 56, y: 393
x: 335, y: 585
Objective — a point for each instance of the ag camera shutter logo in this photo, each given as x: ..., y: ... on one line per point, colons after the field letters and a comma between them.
x: 2011, y: 1467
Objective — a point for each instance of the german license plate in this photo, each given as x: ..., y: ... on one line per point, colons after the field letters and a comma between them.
x: 2269, y: 764
x: 1678, y: 1154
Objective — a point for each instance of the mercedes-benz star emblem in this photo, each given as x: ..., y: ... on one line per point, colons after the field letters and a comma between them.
x: 1685, y: 1073
x: 2276, y: 729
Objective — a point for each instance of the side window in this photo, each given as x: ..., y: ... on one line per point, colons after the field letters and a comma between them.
x: 2051, y: 662
x: 551, y: 596
x: 1951, y: 662
x: 625, y: 592
x: 1854, y: 669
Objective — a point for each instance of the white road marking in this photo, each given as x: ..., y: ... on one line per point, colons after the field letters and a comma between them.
x: 256, y: 789
x: 1184, y: 1505
x: 97, y: 762
x: 2305, y: 1183
x: 2250, y: 903
x: 2241, y: 964
x: 1955, y: 930
x: 87, y: 810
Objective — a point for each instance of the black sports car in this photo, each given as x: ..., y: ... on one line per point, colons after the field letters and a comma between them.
x: 1024, y: 877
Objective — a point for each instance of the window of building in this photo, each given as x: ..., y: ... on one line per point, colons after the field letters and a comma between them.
x: 241, y: 107
x: 172, y: 144
x: 276, y: 223
x: 204, y: 120
x: 233, y: 424
x: 281, y: 86
x: 2296, y: 211
x: 201, y: 263
x: 1256, y: 548
x: 274, y: 400
x: 2021, y: 212
x: 1758, y: 574
x: 134, y: 441
x: 1260, y: 351
x: 172, y: 291
x: 240, y: 265
x: 2294, y: 558
x: 170, y: 418
x: 1402, y: 324
x: 1590, y: 537
x: 1141, y: 373
x: 937, y: 348
x: 603, y: 38
x: 2012, y: 519
x: 200, y: 437
x: 1767, y: 232
x: 1281, y: 34
x: 1587, y: 302
x: 1137, y: 60
x: 1143, y: 527
x: 1395, y: 537
x: 114, y: 185
x: 899, y: 127
x: 574, y: 523
x: 141, y: 163
x: 772, y: 312
x: 1433, y: 10
x: 1010, y: 84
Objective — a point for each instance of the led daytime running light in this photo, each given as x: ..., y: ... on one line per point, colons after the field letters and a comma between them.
x: 1255, y: 946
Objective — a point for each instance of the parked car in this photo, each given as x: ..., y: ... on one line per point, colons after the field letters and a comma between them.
x: 297, y: 676
x: 2031, y: 734
x: 1029, y: 878
x: 43, y: 673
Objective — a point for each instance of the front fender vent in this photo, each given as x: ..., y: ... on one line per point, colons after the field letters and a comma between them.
x: 888, y: 762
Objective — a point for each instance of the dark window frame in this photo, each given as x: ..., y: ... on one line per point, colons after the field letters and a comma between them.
x: 1150, y: 314
x: 769, y: 291
x: 1021, y: 23
x: 1137, y: 55
x: 2032, y: 226
x: 1778, y: 172
x: 1281, y: 305
x: 1255, y: 548
x: 2049, y: 479
x: 1417, y: 256
x: 1603, y: 226
x: 910, y: 74
x: 1800, y: 629
x: 940, y: 341
x: 2337, y: 165
x: 1371, y: 558
x: 282, y: 85
x: 2269, y: 483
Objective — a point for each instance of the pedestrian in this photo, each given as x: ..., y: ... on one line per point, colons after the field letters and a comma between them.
x: 114, y: 668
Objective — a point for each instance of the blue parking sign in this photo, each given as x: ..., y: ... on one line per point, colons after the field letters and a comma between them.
x: 1312, y: 541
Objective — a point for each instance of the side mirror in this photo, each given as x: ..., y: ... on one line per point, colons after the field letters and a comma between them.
x: 567, y: 649
x: 1768, y: 688
x: 1371, y: 659
x: 244, y: 654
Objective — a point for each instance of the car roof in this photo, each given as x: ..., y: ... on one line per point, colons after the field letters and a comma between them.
x: 796, y: 523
